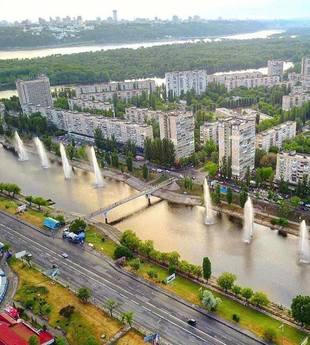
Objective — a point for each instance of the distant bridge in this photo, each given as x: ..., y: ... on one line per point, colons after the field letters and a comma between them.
x: 148, y: 192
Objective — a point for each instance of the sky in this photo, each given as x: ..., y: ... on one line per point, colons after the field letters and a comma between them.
x: 129, y: 9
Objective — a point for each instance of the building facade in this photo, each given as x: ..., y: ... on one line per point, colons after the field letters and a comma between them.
x: 275, y: 68
x: 292, y: 167
x: 237, y: 141
x: 35, y: 92
x: 275, y: 136
x: 294, y: 99
x: 178, y: 83
x: 84, y: 105
x: 178, y: 126
x: 141, y: 115
x: 209, y: 131
x: 84, y: 124
x: 107, y: 91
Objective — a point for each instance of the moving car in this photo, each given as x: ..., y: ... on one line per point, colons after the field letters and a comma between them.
x: 192, y: 322
x: 65, y: 255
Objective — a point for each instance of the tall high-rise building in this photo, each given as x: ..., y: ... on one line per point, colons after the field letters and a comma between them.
x: 35, y: 92
x: 115, y: 16
x: 237, y: 142
x: 178, y: 126
x: 179, y: 83
x: 305, y: 67
x: 275, y: 68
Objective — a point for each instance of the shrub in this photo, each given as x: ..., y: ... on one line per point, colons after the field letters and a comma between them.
x: 226, y: 280
x: 135, y: 264
x: 121, y: 251
x: 171, y: 269
x: 152, y: 274
x: 236, y: 317
x: 270, y: 335
x: 67, y: 311
x: 236, y: 289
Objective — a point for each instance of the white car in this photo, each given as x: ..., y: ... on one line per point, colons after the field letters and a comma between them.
x: 65, y: 255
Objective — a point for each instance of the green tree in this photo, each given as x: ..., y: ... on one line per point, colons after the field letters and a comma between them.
x: 122, y: 251
x: 211, y: 168
x: 127, y: 317
x: 236, y: 289
x: 39, y: 201
x: 145, y: 171
x: 206, y: 267
x: 130, y: 240
x: 208, y: 300
x: 247, y: 293
x: 84, y: 294
x: 111, y: 305
x: 29, y: 199
x: 295, y: 201
x: 114, y: 159
x: 260, y: 299
x: 226, y: 280
x: 216, y: 196
x: 229, y: 195
x: 300, y: 308
x: 78, y: 225
x: 243, y: 197
x: 129, y: 162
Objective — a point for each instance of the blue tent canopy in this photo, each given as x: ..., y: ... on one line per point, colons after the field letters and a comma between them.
x: 51, y: 223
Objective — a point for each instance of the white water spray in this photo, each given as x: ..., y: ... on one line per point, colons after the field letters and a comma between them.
x: 209, y: 212
x: 20, y: 148
x: 65, y: 163
x: 248, y: 225
x: 304, y: 246
x: 42, y: 153
x: 98, y: 176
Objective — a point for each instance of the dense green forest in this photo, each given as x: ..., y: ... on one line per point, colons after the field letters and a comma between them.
x: 123, y: 64
x: 15, y: 37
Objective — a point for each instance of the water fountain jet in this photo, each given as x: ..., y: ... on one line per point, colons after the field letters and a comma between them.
x: 65, y: 163
x: 209, y: 212
x: 42, y: 153
x: 304, y: 246
x: 98, y: 176
x: 20, y: 148
x: 248, y: 225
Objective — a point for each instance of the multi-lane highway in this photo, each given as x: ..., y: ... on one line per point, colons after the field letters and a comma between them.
x: 154, y: 309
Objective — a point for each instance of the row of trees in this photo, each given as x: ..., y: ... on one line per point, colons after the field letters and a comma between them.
x: 159, y: 151
x: 10, y: 188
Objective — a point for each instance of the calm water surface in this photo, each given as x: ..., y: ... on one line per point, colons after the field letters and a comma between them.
x: 268, y: 264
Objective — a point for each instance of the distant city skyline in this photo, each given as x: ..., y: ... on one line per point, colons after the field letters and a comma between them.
x: 239, y: 9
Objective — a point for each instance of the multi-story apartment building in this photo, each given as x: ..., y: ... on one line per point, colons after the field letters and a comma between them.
x: 141, y: 115
x: 294, y: 99
x: 84, y: 125
x: 244, y: 113
x: 305, y: 67
x: 85, y: 105
x: 209, y: 131
x: 275, y: 68
x: 275, y: 136
x: 2, y: 110
x: 244, y: 79
x: 107, y: 91
x: 237, y: 141
x: 35, y: 92
x: 178, y: 126
x: 292, y: 167
x: 178, y: 83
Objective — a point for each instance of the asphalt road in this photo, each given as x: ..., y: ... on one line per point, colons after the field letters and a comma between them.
x: 153, y: 308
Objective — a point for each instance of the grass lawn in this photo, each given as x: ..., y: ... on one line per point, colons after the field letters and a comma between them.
x: 196, y: 189
x: 131, y: 338
x: 86, y: 321
x: 250, y: 319
x: 94, y: 236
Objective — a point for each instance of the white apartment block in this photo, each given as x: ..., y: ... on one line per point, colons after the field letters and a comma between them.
x: 305, y: 67
x: 81, y: 104
x: 106, y: 91
x: 244, y: 79
x: 84, y: 125
x: 178, y: 126
x: 275, y: 68
x: 237, y: 140
x: 275, y: 136
x: 141, y: 115
x: 295, y: 99
x: 35, y: 92
x: 292, y: 167
x: 209, y: 131
x: 179, y: 83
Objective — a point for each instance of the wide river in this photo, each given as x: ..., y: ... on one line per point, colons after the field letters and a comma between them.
x: 42, y: 52
x: 268, y: 263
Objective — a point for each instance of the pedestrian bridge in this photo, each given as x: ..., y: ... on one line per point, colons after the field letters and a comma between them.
x: 147, y: 192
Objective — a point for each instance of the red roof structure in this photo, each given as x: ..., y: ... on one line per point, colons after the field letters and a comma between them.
x: 18, y: 332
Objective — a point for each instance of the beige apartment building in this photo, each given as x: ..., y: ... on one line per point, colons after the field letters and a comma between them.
x: 292, y: 167
x: 275, y: 136
x: 141, y: 115
x: 178, y: 126
x: 209, y: 131
x: 237, y: 140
